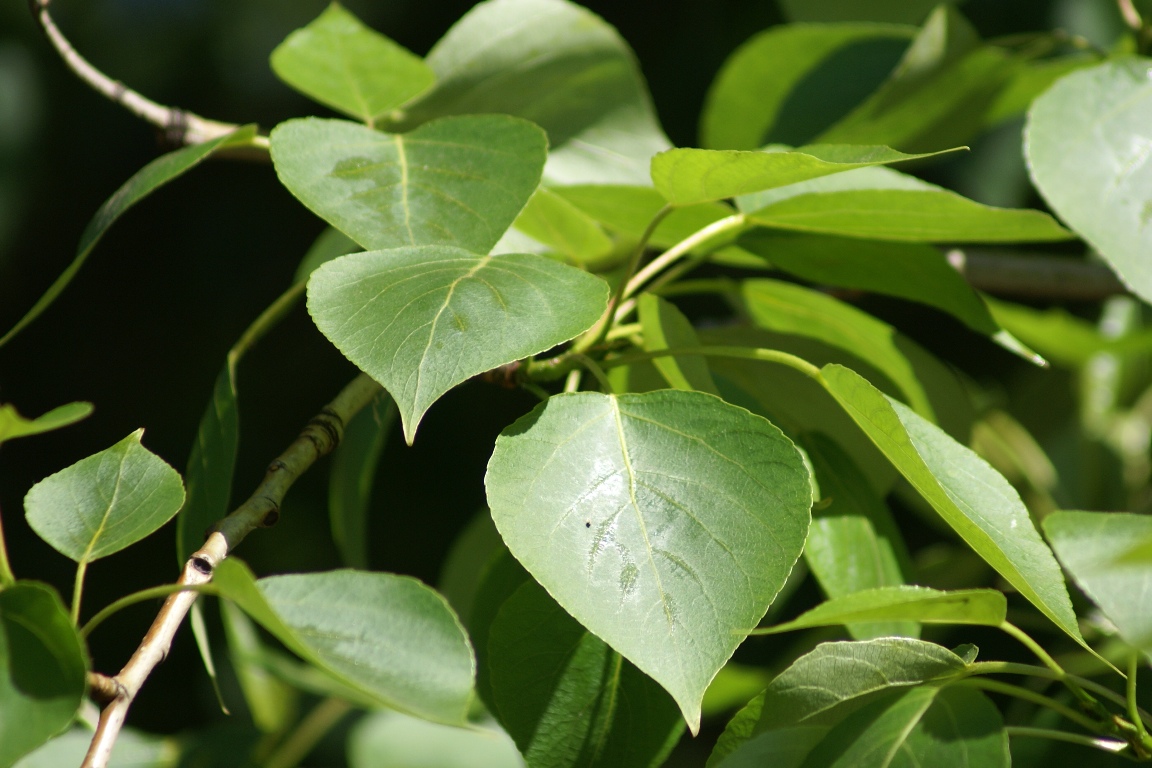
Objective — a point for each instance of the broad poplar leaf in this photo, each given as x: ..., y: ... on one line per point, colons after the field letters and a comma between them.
x: 687, y: 176
x: 353, y: 473
x: 751, y: 95
x: 145, y: 181
x: 105, y: 502
x: 789, y: 308
x: 422, y: 320
x: 393, y: 740
x: 13, y: 425
x: 566, y: 698
x: 211, y: 464
x: 341, y: 63
x: 1088, y: 146
x: 550, y: 219
x: 560, y: 66
x: 972, y: 497
x: 664, y: 522
x: 43, y: 669
x: 985, y: 607
x: 665, y: 327
x: 389, y: 638
x: 457, y: 181
x: 1093, y: 546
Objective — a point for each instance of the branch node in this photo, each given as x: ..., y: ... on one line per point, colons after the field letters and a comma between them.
x: 202, y: 565
x: 271, y: 518
x: 103, y: 689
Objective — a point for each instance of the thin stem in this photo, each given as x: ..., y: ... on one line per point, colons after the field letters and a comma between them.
x: 7, y: 578
x: 1108, y: 745
x: 151, y: 593
x: 1130, y: 690
x: 78, y: 590
x: 1019, y: 692
x: 595, y: 370
x: 572, y: 383
x: 1130, y: 15
x: 623, y: 331
x: 1035, y: 647
x: 267, y: 320
x: 745, y: 353
x: 674, y: 253
x: 1012, y: 668
x: 307, y: 733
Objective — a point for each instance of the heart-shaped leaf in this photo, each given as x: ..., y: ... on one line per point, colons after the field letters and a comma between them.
x: 105, y: 502
x: 339, y: 62
x: 389, y: 638
x: 1087, y: 146
x: 43, y: 667
x: 457, y: 181
x: 664, y: 522
x: 422, y: 320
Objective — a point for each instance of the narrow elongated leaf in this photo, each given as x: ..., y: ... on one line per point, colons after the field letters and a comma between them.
x: 458, y: 181
x: 854, y: 543
x: 629, y: 211
x: 43, y: 666
x: 665, y: 327
x: 552, y: 220
x: 566, y: 698
x: 872, y: 178
x: 354, y: 466
x: 751, y: 94
x: 563, y: 68
x: 211, y: 464
x: 394, y: 740
x: 422, y: 320
x: 1092, y: 547
x: 105, y: 502
x: 661, y: 521
x: 338, y: 61
x: 271, y: 701
x: 13, y: 425
x: 1087, y: 147
x: 148, y: 179
x: 969, y: 495
x: 687, y: 176
x: 388, y: 637
x: 788, y: 308
x: 912, y: 216
x: 986, y: 607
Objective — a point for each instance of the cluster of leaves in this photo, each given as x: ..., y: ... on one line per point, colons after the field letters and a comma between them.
x: 491, y: 206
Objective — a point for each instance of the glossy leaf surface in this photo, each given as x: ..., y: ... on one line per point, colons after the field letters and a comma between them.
x: 1087, y: 148
x: 1092, y: 547
x: 422, y: 320
x: 458, y: 181
x: 341, y: 63
x: 568, y: 699
x: 664, y: 522
x: 43, y: 666
x: 211, y: 464
x: 390, y: 638
x: 105, y: 502
x: 969, y: 495
x: 13, y: 425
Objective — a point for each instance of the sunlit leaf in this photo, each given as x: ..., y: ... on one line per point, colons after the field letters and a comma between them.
x: 13, y: 425
x: 422, y: 320
x: 458, y: 181
x: 343, y: 64
x: 629, y: 210
x: 663, y: 522
x: 105, y: 502
x: 550, y: 219
x: 665, y: 327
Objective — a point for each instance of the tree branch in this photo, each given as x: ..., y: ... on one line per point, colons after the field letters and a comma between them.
x: 1042, y: 276
x: 179, y: 126
x: 321, y: 435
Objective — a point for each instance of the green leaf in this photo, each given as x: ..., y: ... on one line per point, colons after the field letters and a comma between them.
x: 466, y: 563
x: 664, y: 522
x: 43, y: 669
x: 458, y: 181
x: 733, y: 686
x: 353, y: 473
x: 211, y: 464
x: 271, y: 702
x: 752, y: 95
x: 874, y: 177
x: 824, y: 11
x: 498, y: 582
x: 1092, y: 547
x: 388, y: 637
x: 13, y: 425
x: 854, y: 543
x: 343, y: 64
x: 968, y: 494
x: 393, y: 740
x: 629, y: 211
x: 133, y: 750
x: 1087, y: 147
x: 105, y: 502
x: 566, y: 698
x: 665, y: 327
x: 1061, y: 337
x: 148, y: 179
x: 985, y: 607
x: 557, y: 223
x: 563, y: 68
x: 422, y: 320
x: 788, y: 308
x: 948, y: 727
x: 687, y: 176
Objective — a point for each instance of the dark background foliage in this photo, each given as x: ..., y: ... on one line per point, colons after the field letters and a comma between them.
x: 144, y: 329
